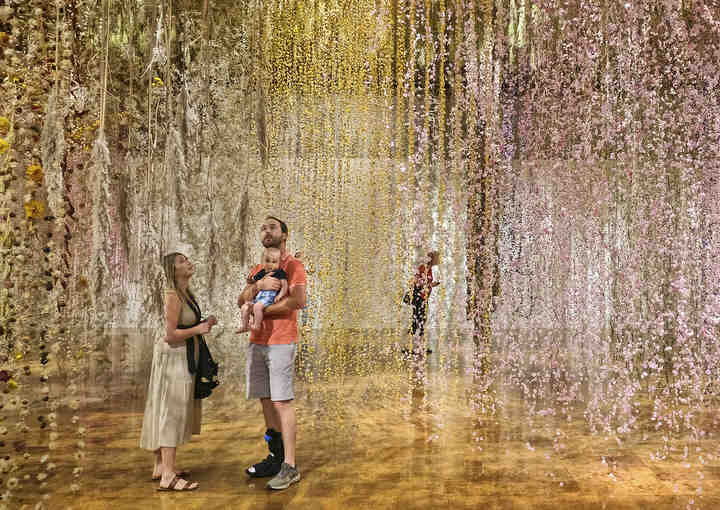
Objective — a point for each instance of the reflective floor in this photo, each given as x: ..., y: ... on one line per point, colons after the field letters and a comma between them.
x: 378, y: 430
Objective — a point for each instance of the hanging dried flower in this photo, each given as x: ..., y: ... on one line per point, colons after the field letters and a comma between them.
x: 4, y: 146
x: 4, y: 126
x: 157, y: 82
x: 34, y: 209
x: 5, y: 12
x: 34, y: 173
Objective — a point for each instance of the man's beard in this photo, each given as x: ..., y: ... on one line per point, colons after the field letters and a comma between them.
x: 271, y: 242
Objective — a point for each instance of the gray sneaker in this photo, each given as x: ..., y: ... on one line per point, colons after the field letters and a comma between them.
x: 287, y: 476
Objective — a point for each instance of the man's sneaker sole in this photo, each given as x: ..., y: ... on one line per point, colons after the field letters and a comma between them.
x: 284, y: 486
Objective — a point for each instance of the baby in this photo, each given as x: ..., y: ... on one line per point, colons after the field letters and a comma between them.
x: 251, y: 314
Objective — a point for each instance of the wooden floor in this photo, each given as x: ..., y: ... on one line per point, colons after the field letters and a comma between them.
x: 385, y: 432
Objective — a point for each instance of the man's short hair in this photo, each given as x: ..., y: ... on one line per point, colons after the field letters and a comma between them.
x: 283, y: 227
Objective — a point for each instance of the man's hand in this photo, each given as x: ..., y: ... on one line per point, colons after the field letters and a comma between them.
x: 212, y: 320
x: 294, y: 300
x: 269, y: 283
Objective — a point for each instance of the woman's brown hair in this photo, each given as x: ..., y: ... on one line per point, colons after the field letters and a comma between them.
x: 168, y: 262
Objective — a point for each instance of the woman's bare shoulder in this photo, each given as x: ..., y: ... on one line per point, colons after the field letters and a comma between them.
x: 171, y: 295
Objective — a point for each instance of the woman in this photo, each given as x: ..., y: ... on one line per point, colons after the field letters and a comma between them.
x: 172, y: 414
x: 422, y: 283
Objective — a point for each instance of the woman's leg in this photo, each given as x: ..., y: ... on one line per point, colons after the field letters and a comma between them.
x: 158, y: 466
x: 168, y: 454
x: 417, y: 329
x: 422, y: 318
x: 168, y: 462
x: 418, y: 317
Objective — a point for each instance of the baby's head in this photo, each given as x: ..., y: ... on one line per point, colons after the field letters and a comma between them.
x: 271, y: 259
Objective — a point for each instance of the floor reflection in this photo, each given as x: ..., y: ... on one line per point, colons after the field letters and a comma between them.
x: 380, y: 429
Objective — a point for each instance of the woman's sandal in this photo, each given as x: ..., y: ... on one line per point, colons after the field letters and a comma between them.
x: 181, y: 474
x: 171, y: 486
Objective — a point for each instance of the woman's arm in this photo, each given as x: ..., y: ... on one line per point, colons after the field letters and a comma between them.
x: 173, y: 335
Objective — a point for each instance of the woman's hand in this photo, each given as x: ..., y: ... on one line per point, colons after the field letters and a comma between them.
x: 435, y: 284
x: 268, y: 283
x: 212, y: 320
x: 204, y: 327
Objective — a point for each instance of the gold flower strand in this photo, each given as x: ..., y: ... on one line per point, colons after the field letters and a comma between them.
x: 34, y: 209
x: 26, y: 253
x: 34, y: 173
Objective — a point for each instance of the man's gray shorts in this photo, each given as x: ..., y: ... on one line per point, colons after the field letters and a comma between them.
x: 270, y: 370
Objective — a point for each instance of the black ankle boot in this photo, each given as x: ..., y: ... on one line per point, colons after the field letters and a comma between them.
x: 275, y: 444
x: 270, y: 465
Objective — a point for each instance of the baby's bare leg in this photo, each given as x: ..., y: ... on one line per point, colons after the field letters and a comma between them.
x: 257, y: 316
x: 244, y: 317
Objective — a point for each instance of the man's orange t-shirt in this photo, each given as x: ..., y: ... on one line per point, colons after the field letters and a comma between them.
x: 281, y: 330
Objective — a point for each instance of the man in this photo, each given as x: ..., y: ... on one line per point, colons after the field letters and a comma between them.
x: 271, y: 359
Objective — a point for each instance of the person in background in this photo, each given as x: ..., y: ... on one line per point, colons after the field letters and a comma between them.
x: 422, y: 284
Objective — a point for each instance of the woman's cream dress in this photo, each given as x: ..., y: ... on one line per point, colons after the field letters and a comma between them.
x: 172, y: 415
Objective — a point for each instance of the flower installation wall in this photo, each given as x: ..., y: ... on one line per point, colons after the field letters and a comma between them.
x: 563, y: 156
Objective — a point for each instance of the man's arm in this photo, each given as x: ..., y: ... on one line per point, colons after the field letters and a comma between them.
x: 252, y: 287
x: 247, y: 294
x: 283, y: 291
x: 295, y: 301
